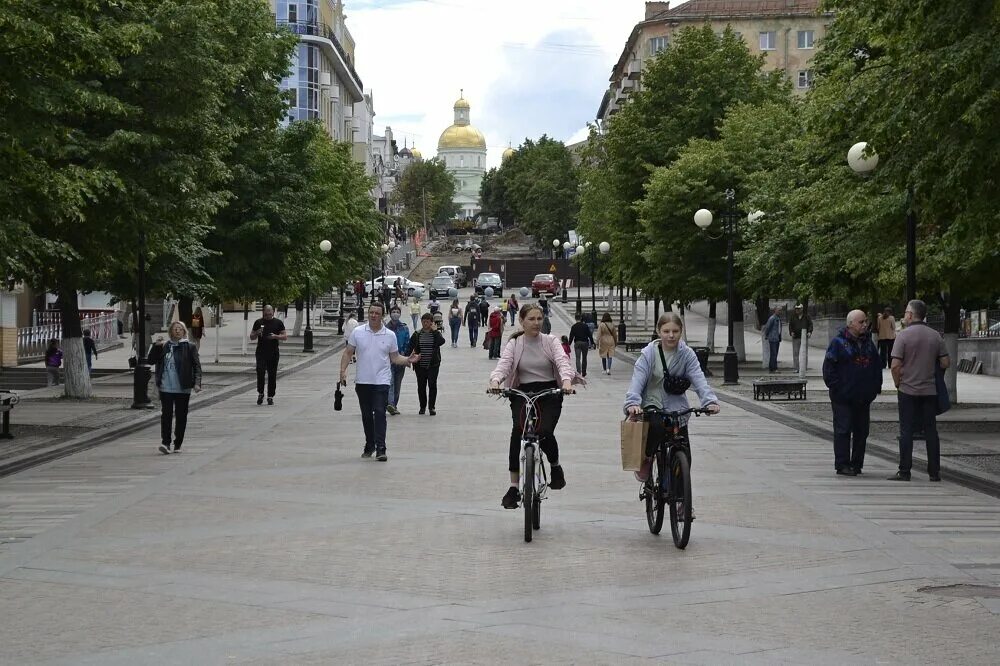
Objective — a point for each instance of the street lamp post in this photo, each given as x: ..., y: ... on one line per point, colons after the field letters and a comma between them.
x: 556, y: 244
x: 604, y: 247
x: 140, y: 377
x: 325, y: 246
x: 703, y: 218
x: 307, y: 336
x: 565, y: 246
x: 581, y: 251
x: 863, y: 161
x: 621, y: 306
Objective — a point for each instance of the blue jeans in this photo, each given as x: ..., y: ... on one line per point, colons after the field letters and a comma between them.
x: 373, y: 398
x: 772, y: 363
x: 456, y: 326
x: 918, y: 412
x: 397, y: 383
x: 851, y: 420
x: 473, y: 332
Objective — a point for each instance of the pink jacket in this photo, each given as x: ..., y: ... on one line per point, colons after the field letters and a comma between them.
x: 506, y: 370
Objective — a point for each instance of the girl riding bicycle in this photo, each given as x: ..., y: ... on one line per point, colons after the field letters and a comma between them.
x: 533, y: 361
x: 668, y: 358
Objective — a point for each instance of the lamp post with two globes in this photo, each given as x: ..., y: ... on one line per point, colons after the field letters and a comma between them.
x: 703, y: 218
x: 325, y: 246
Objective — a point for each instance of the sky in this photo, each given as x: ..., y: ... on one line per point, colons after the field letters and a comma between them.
x: 527, y: 67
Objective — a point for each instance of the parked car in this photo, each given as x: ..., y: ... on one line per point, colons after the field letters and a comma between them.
x: 489, y: 280
x: 456, y: 272
x: 544, y: 283
x: 441, y: 285
x: 410, y: 286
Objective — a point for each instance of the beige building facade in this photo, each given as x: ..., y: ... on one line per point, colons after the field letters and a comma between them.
x: 787, y: 32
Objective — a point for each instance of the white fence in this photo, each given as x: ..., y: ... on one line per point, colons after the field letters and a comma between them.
x: 32, y: 340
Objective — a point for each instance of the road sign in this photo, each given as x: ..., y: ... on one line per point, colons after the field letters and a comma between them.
x: 552, y: 268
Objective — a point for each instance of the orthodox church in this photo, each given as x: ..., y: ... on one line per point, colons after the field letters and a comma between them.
x: 462, y: 148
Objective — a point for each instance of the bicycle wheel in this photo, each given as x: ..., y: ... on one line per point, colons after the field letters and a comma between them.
x: 654, y: 495
x: 528, y: 492
x: 680, y: 499
x: 536, y: 512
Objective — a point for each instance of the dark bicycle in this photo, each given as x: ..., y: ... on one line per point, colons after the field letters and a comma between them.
x: 669, y: 480
x: 534, y: 478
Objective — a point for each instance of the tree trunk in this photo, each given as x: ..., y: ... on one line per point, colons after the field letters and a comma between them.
x: 739, y: 342
x: 712, y: 320
x: 77, y: 379
x: 952, y: 324
x: 684, y: 328
x: 184, y: 310
x: 297, y: 330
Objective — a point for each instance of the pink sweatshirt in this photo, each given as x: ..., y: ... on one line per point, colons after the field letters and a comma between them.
x: 506, y: 370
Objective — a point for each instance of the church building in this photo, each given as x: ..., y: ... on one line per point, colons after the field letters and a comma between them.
x: 462, y: 148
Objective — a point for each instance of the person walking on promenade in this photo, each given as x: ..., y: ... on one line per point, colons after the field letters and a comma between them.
x: 512, y: 308
x: 532, y: 361
x: 472, y: 320
x: 398, y: 289
x: 455, y: 321
x: 484, y: 311
x: 799, y: 320
x: 268, y: 331
x: 496, y: 333
x: 433, y: 305
x: 664, y: 371
x: 607, y: 340
x: 397, y: 326
x: 772, y: 333
x: 852, y: 372
x: 53, y: 360
x: 198, y: 327
x: 917, y: 354
x: 886, y: 331
x: 427, y: 342
x: 376, y: 350
x: 414, y: 312
x: 582, y: 340
x: 543, y: 303
x: 90, y: 349
x: 178, y: 372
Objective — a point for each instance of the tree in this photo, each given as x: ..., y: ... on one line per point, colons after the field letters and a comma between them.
x: 493, y: 197
x: 541, y: 189
x: 427, y: 192
x: 118, y: 138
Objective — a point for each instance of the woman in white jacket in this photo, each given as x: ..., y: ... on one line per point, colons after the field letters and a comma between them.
x: 668, y: 354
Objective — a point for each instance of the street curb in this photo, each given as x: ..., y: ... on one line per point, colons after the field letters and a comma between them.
x: 102, y: 435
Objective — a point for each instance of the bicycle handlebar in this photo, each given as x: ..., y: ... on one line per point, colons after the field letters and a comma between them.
x: 697, y: 411
x: 506, y: 393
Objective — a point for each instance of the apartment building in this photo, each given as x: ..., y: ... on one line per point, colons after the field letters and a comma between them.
x: 785, y: 31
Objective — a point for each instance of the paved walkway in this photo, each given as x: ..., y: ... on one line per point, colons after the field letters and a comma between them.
x: 269, y: 541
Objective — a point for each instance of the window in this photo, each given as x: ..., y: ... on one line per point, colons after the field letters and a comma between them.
x: 805, y: 39
x: 805, y: 78
x: 293, y: 13
x: 657, y: 44
x: 767, y: 41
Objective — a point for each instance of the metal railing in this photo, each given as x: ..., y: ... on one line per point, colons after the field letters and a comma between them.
x: 33, y: 340
x: 317, y: 29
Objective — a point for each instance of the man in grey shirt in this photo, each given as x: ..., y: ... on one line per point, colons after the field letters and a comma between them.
x: 917, y: 354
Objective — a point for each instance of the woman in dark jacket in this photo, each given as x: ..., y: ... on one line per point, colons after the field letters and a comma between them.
x: 427, y: 342
x: 852, y: 370
x: 178, y: 372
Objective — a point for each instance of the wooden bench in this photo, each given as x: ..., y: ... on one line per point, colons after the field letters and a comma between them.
x: 635, y: 345
x: 793, y: 389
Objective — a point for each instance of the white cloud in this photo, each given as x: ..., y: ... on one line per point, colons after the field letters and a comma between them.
x: 528, y: 67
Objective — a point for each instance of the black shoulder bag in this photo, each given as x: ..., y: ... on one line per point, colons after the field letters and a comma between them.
x: 672, y: 384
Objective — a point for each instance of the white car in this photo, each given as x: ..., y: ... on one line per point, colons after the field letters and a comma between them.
x: 411, y: 287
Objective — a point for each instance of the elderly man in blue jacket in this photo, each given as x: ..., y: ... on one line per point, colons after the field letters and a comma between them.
x: 853, y: 373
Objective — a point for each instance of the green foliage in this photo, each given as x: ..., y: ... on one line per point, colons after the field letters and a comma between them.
x: 541, y: 189
x: 493, y: 196
x: 426, y: 188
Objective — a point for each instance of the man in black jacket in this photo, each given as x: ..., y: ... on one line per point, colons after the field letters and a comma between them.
x: 472, y: 320
x: 582, y: 340
x: 427, y: 342
x: 267, y: 331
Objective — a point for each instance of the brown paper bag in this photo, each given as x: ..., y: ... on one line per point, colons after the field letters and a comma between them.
x: 633, y: 444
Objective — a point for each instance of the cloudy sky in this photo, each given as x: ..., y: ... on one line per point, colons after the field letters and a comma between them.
x: 528, y: 67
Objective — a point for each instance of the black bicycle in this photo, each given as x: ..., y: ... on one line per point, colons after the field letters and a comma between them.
x: 534, y: 478
x: 669, y: 481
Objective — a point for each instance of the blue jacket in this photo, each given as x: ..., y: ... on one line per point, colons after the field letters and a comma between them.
x: 402, y: 332
x: 684, y: 364
x: 852, y: 369
x: 772, y: 329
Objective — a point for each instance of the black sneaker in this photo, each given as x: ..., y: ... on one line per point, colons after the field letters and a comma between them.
x: 899, y: 476
x: 382, y: 457
x: 260, y: 398
x: 367, y: 454
x: 558, y: 481
x: 432, y: 411
x: 176, y: 448
x: 847, y: 471
x: 165, y: 449
x: 270, y: 401
x: 935, y: 477
x: 422, y: 411
x: 511, y: 499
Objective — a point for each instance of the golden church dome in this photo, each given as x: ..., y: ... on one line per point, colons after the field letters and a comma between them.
x: 461, y: 103
x: 417, y: 155
x: 507, y: 154
x: 462, y: 136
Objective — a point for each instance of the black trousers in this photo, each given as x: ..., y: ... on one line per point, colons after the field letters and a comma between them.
x: 581, y: 349
x: 918, y: 412
x: 851, y: 423
x: 427, y: 382
x: 267, y: 363
x: 884, y: 352
x: 547, y: 414
x: 173, y: 405
x: 657, y: 433
x: 373, y: 399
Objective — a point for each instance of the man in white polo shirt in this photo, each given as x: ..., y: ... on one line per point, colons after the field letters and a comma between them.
x: 375, y: 348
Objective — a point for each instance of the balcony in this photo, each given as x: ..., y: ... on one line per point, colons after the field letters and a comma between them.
x: 323, y: 36
x: 634, y: 69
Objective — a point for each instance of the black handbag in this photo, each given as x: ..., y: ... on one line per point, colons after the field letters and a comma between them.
x: 672, y: 384
x: 338, y: 399
x: 943, y: 399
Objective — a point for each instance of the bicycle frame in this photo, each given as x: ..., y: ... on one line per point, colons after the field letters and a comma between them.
x: 530, y: 438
